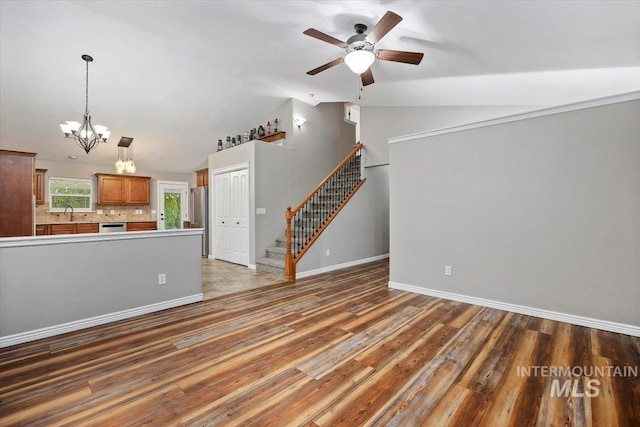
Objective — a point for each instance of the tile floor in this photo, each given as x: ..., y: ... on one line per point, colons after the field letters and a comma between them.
x: 223, y: 278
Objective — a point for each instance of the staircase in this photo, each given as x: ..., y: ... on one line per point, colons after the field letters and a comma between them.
x: 311, y: 217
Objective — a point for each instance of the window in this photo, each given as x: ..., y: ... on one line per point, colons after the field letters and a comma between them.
x: 74, y: 192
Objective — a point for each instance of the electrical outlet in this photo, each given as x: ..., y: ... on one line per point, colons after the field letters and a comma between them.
x: 162, y: 279
x: 447, y: 270
x: 328, y: 252
x: 99, y: 212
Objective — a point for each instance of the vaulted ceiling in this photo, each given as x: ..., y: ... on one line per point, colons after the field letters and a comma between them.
x: 178, y: 75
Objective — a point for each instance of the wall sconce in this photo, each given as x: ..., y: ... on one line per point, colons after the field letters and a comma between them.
x: 300, y: 121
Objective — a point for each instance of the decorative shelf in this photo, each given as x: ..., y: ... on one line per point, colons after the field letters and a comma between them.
x: 273, y: 137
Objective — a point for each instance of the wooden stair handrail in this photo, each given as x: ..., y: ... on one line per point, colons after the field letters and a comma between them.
x: 308, y: 244
x: 290, y: 258
x: 357, y: 147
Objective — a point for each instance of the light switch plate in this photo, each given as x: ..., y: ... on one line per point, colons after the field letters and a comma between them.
x: 261, y: 211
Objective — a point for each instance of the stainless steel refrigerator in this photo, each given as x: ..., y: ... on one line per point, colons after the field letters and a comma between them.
x: 199, y: 214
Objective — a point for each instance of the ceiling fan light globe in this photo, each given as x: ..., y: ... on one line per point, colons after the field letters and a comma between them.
x: 359, y: 61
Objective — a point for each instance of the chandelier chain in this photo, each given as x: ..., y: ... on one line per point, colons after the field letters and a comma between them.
x: 86, y: 93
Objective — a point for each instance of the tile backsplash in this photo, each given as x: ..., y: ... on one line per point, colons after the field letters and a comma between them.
x: 120, y: 214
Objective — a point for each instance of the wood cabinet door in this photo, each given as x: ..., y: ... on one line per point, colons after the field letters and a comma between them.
x: 42, y: 230
x: 202, y: 178
x: 17, y: 170
x: 111, y: 190
x: 40, y: 186
x: 63, y: 229
x: 142, y: 226
x: 91, y: 227
x: 138, y: 191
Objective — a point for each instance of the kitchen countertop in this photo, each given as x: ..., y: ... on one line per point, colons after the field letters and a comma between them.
x: 91, y: 222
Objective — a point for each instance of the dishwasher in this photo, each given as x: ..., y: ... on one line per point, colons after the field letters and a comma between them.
x: 112, y: 227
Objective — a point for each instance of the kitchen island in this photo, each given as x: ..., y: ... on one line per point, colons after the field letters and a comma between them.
x: 51, y: 285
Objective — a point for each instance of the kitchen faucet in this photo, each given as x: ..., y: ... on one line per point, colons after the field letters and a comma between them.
x: 65, y: 211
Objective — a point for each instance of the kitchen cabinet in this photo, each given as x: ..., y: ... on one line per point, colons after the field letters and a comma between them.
x: 142, y: 226
x: 202, y: 178
x: 66, y: 228
x: 41, y: 182
x: 62, y: 229
x: 43, y: 230
x: 123, y: 190
x: 137, y: 190
x: 88, y: 227
x: 17, y: 176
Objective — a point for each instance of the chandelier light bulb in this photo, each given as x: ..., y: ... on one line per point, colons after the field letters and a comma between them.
x: 119, y: 166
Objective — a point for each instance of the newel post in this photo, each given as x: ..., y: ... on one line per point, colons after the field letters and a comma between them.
x: 289, y: 265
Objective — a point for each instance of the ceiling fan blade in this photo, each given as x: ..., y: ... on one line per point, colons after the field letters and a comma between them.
x: 384, y: 25
x: 312, y: 32
x: 367, y: 77
x: 400, y: 56
x: 325, y: 66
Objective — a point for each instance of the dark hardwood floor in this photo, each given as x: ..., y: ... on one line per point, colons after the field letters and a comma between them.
x: 336, y: 349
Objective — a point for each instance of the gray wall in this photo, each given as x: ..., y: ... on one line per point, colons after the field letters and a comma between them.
x: 74, y: 169
x: 285, y: 175
x: 542, y: 212
x: 274, y: 189
x: 52, y: 284
x: 85, y: 170
x: 377, y: 124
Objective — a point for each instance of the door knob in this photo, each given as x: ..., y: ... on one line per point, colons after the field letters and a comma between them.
x: 238, y: 223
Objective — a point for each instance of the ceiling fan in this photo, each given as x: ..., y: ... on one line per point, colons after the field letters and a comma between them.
x: 360, y: 48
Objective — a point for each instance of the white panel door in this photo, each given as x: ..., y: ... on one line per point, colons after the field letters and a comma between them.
x: 231, y: 236
x: 239, y: 229
x: 172, y: 204
x: 222, y: 207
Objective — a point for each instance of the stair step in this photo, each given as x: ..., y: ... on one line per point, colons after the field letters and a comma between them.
x: 279, y: 263
x: 281, y: 242
x: 270, y: 265
x: 322, y: 204
x: 276, y: 253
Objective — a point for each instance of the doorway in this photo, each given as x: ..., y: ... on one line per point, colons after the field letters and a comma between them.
x: 172, y: 204
x: 231, y: 214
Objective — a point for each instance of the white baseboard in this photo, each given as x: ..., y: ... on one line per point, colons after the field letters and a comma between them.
x: 50, y: 331
x: 605, y: 325
x: 251, y: 266
x: 308, y: 273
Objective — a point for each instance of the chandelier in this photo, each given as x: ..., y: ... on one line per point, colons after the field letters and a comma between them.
x: 125, y: 164
x: 86, y: 135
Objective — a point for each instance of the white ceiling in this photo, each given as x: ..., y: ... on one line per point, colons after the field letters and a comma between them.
x: 178, y: 75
